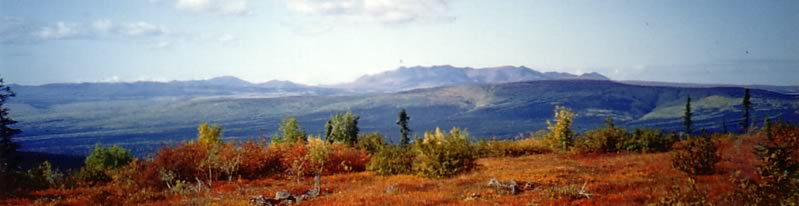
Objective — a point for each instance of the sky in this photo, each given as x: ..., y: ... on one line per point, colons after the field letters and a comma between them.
x: 332, y: 41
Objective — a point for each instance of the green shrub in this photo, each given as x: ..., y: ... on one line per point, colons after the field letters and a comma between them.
x: 372, y: 142
x: 604, y: 140
x: 391, y: 160
x: 441, y: 155
x: 44, y: 176
x: 102, y: 162
x: 695, y: 156
x: 647, y: 140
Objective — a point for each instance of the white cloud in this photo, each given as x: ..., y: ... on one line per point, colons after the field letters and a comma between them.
x: 193, y: 5
x: 103, y: 25
x: 218, y: 7
x: 383, y: 11
x: 226, y: 38
x: 61, y: 30
x: 144, y: 29
x: 163, y: 45
x: 15, y: 31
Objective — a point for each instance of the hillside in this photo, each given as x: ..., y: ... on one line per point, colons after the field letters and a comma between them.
x: 487, y: 110
x: 61, y: 93
x: 774, y: 88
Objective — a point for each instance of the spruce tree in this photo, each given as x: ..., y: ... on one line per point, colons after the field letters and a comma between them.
x: 609, y: 123
x: 746, y: 121
x: 687, y: 123
x: 404, y: 130
x: 778, y: 171
x: 329, y: 130
x: 724, y: 125
x: 9, y: 158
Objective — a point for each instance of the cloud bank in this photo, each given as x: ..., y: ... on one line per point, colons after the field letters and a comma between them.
x: 382, y: 11
x: 18, y: 31
x: 214, y: 7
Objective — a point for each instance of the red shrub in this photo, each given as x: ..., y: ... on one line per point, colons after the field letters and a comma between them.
x: 259, y: 161
x: 292, y: 155
x: 788, y: 135
x: 346, y: 159
x: 340, y: 160
x: 184, y: 160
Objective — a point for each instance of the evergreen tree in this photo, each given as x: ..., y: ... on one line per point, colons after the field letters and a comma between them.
x: 778, y: 171
x: 329, y: 130
x: 404, y: 130
x: 290, y: 131
x: 724, y: 125
x: 746, y: 122
x: 343, y: 128
x: 687, y: 122
x: 609, y: 123
x: 9, y: 158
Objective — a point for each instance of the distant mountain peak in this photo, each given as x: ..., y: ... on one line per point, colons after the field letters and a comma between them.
x: 415, y: 77
x: 594, y: 76
x: 282, y: 84
x: 225, y: 78
x: 228, y: 81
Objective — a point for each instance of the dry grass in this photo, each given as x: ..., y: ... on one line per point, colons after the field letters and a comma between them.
x: 627, y: 179
x: 611, y: 179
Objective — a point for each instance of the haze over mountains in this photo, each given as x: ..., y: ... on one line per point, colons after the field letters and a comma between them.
x: 407, y: 78
x: 402, y: 79
x: 493, y: 102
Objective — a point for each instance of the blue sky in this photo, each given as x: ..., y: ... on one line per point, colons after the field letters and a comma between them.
x: 327, y: 41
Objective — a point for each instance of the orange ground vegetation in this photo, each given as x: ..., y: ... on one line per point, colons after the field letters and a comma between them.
x: 610, y: 179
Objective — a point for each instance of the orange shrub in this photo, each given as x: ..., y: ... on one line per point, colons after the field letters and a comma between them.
x: 695, y: 156
x: 346, y: 159
x: 183, y: 160
x: 787, y: 135
x: 292, y: 158
x: 259, y: 161
x: 296, y: 159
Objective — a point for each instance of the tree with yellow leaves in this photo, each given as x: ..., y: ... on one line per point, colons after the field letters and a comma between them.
x: 210, y: 138
x: 209, y: 135
x: 560, y: 135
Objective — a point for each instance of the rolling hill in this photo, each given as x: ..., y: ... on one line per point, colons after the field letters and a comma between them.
x: 60, y: 93
x: 502, y: 110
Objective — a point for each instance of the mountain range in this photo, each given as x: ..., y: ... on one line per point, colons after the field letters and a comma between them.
x: 498, y: 102
x: 407, y: 78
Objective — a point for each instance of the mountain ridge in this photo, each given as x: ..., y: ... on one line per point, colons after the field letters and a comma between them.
x: 399, y: 79
x: 407, y: 78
